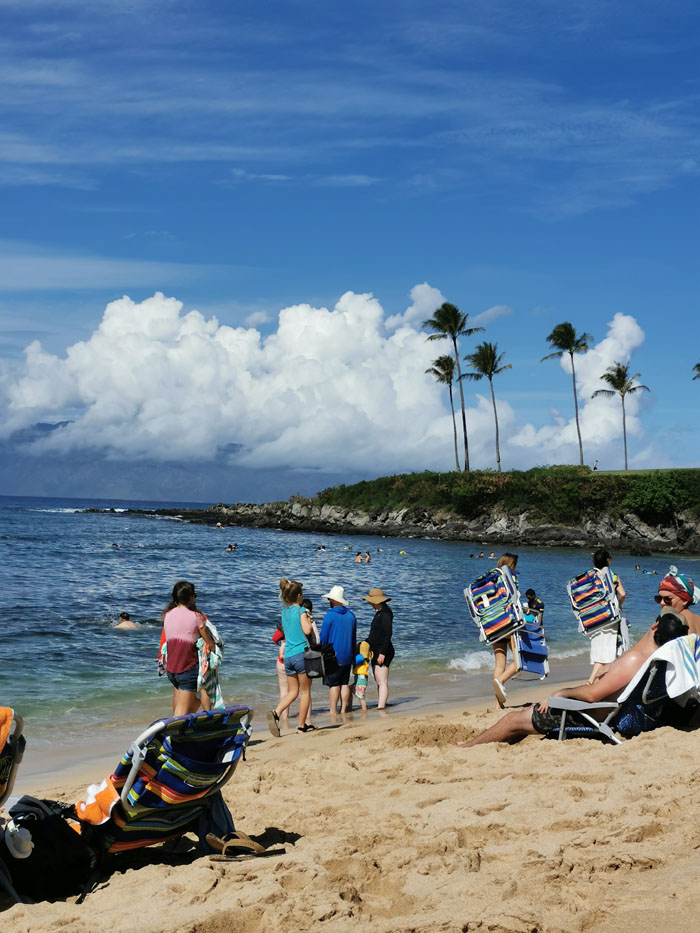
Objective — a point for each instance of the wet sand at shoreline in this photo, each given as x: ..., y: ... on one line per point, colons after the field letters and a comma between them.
x: 411, y: 695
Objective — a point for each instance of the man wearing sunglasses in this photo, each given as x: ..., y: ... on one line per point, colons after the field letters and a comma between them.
x: 678, y: 592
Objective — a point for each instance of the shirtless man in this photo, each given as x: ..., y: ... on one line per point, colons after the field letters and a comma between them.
x: 676, y: 591
x: 537, y: 719
x: 125, y: 622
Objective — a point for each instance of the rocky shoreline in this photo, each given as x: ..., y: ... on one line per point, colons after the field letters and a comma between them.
x: 626, y: 533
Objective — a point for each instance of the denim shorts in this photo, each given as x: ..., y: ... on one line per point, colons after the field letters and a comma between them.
x: 187, y: 680
x: 294, y: 664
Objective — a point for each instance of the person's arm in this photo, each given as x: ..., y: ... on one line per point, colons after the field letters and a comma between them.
x: 620, y: 590
x: 607, y: 687
x: 305, y: 622
x: 325, y: 628
x: 208, y: 640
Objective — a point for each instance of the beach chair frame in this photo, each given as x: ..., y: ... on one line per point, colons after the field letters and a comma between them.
x: 594, y: 601
x: 139, y: 749
x: 649, y: 694
x: 494, y: 605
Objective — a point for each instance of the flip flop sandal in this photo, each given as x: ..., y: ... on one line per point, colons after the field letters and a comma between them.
x: 273, y: 723
x: 499, y: 692
x: 237, y: 846
x: 306, y: 728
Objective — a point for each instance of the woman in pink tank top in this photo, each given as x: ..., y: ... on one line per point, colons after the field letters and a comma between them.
x: 183, y: 624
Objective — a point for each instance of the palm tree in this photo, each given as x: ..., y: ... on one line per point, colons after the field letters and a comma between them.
x: 622, y: 384
x: 443, y: 369
x: 449, y: 322
x: 696, y: 370
x: 486, y: 361
x: 564, y: 339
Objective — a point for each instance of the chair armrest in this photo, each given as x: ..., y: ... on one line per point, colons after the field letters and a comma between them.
x: 567, y: 703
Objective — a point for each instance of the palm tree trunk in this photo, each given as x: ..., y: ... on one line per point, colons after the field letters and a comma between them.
x: 464, y: 416
x: 495, y: 418
x: 624, y: 428
x: 454, y: 425
x: 578, y: 426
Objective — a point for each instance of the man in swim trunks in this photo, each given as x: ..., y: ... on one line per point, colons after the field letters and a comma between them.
x: 537, y: 719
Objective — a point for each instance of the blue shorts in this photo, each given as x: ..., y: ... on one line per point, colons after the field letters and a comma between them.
x: 294, y: 665
x: 187, y: 680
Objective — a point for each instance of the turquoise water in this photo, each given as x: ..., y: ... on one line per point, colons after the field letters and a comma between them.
x: 64, y: 584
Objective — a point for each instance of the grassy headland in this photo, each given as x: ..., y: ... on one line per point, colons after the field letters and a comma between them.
x: 557, y: 494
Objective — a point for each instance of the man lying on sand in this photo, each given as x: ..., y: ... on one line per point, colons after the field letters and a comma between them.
x: 534, y: 720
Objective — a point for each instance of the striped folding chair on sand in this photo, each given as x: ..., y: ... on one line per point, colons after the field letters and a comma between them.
x: 169, y: 783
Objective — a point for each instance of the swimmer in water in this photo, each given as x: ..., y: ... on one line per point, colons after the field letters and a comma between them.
x: 125, y: 623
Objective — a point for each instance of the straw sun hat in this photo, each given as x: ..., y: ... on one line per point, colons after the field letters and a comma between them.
x: 376, y: 596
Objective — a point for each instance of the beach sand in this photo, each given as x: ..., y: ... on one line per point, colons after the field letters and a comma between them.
x: 389, y: 826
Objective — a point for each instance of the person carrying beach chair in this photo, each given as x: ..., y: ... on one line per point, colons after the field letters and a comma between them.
x: 596, y: 598
x: 494, y: 604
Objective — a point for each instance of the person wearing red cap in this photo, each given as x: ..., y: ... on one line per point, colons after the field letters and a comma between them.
x: 677, y: 591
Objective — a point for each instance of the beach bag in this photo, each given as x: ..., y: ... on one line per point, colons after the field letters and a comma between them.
x: 313, y: 663
x: 61, y: 861
x: 330, y: 662
x: 321, y: 663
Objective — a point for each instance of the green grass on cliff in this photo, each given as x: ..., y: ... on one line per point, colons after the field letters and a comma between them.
x: 561, y: 494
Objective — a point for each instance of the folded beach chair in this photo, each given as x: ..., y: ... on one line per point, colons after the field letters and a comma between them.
x: 169, y: 782
x: 594, y: 601
x: 11, y: 749
x: 494, y: 604
x: 530, y: 649
x: 664, y: 692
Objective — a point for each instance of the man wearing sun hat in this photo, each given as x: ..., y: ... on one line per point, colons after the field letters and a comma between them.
x: 339, y: 629
x: 677, y: 591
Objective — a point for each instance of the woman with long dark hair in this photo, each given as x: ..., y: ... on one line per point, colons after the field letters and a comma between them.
x: 183, y: 624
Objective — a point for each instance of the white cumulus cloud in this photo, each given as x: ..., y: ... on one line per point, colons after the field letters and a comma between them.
x: 600, y: 418
x: 335, y: 389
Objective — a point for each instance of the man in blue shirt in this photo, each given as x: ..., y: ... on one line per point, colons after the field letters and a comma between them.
x: 339, y: 629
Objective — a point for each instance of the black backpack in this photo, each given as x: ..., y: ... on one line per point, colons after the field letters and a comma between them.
x: 62, y: 862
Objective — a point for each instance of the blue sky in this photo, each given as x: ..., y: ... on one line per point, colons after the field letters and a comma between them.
x: 528, y: 162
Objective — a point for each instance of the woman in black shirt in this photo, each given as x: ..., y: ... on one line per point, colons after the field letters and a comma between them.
x: 379, y: 639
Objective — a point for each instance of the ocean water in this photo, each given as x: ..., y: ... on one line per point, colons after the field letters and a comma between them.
x: 63, y: 584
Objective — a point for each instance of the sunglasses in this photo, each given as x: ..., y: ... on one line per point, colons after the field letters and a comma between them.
x: 664, y: 600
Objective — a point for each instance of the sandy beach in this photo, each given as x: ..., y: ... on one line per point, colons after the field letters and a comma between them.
x: 389, y: 825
